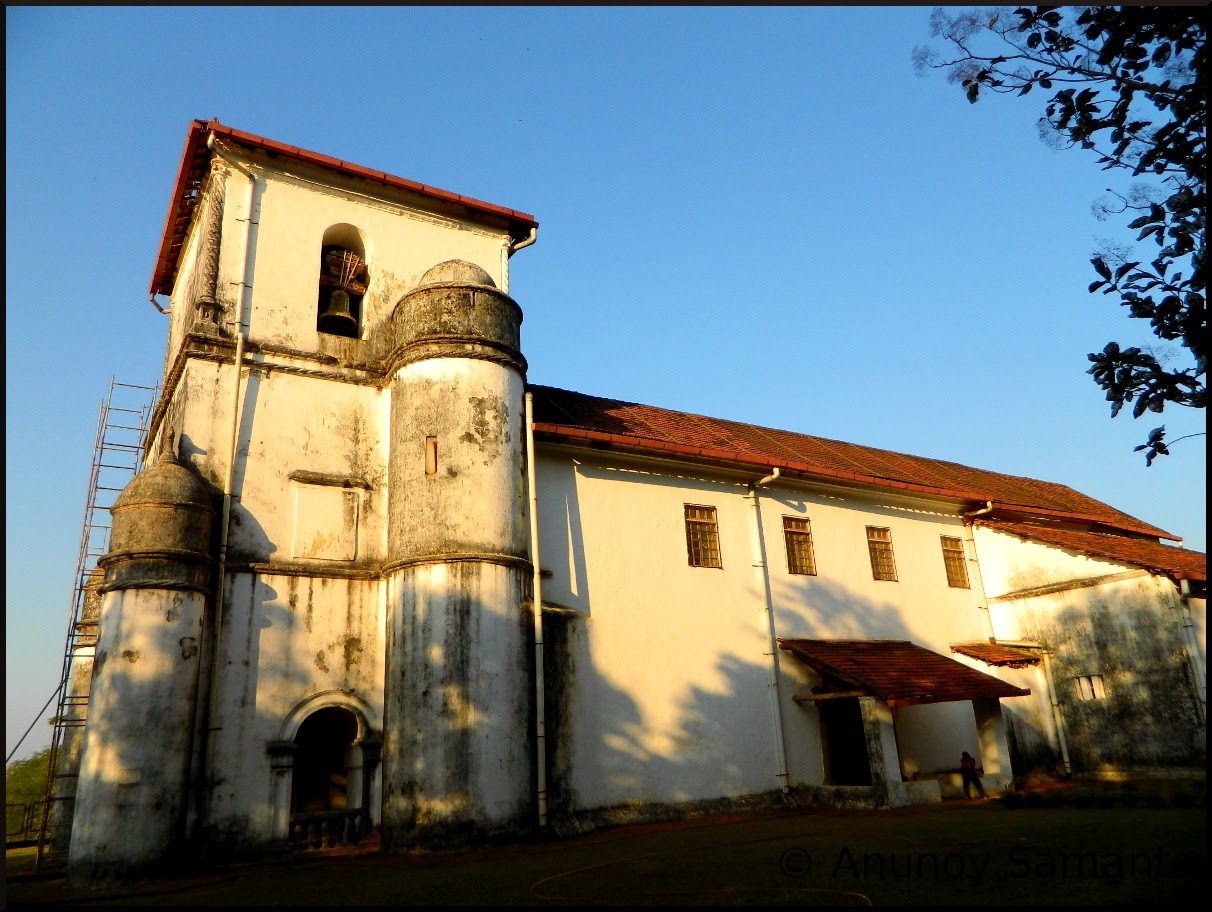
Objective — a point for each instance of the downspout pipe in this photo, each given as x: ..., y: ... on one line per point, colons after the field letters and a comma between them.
x: 540, y: 710
x: 525, y: 242
x: 772, y: 669
x: 508, y: 248
x: 156, y: 304
x: 974, y: 562
x: 229, y: 471
x: 1057, y: 717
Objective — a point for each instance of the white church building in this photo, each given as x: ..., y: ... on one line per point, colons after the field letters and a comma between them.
x: 319, y: 618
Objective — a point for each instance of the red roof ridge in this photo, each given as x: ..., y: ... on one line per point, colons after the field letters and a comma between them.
x: 1173, y: 560
x: 583, y: 416
x: 764, y: 429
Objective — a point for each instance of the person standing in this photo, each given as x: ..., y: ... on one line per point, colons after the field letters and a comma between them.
x: 968, y: 772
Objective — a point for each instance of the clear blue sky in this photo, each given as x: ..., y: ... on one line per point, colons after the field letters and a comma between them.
x: 761, y: 215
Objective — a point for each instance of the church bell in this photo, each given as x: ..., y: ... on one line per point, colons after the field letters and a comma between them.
x: 336, y: 318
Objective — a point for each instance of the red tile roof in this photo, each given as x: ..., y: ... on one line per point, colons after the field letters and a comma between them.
x: 897, y: 671
x: 196, y: 158
x: 996, y: 654
x: 569, y: 416
x: 1178, y: 563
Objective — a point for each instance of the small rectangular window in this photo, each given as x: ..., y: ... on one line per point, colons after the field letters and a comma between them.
x: 953, y: 559
x: 431, y: 455
x: 879, y: 544
x: 1090, y: 687
x: 797, y: 534
x: 702, y: 537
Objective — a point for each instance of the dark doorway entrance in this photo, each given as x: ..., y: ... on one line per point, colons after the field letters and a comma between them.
x: 845, y: 744
x: 321, y: 778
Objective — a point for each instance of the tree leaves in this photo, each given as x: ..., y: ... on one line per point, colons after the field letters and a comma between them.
x: 1133, y: 91
x: 1155, y: 445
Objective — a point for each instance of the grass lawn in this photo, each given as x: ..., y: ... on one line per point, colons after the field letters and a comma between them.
x: 957, y: 853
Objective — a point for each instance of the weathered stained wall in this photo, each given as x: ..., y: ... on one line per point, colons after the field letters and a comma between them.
x: 1127, y: 630
x: 287, y: 642
x: 295, y: 209
x: 130, y: 804
x: 473, y: 502
x: 458, y: 756
x: 669, y: 696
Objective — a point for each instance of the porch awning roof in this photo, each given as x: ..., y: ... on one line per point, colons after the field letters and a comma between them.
x: 897, y: 671
x: 996, y: 654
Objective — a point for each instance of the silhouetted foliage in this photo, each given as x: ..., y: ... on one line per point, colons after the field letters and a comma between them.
x: 25, y: 780
x: 1128, y: 84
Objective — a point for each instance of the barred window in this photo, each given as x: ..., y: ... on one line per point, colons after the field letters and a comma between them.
x: 702, y: 537
x: 953, y: 558
x: 879, y: 544
x: 797, y: 533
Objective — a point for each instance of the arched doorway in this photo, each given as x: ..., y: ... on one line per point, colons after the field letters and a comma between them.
x: 327, y: 795
x: 321, y: 778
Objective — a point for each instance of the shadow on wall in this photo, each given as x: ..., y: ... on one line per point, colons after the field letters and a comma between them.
x: 1148, y: 717
x: 605, y: 749
x: 133, y: 787
x: 609, y: 733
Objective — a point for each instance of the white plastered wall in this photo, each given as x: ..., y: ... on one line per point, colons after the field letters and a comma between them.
x: 670, y: 701
x: 287, y: 641
x: 295, y: 210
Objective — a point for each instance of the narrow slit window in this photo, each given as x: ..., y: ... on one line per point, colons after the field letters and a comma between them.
x: 797, y: 535
x: 879, y: 544
x: 431, y: 455
x: 702, y: 537
x: 953, y: 559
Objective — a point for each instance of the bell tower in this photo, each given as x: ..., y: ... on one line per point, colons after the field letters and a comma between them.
x: 339, y: 534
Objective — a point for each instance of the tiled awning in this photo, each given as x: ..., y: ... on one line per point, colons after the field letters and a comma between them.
x: 996, y: 654
x: 897, y: 671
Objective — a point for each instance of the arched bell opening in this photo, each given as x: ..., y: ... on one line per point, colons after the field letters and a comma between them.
x: 343, y: 281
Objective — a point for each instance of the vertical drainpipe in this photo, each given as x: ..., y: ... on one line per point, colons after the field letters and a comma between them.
x: 1057, y: 716
x: 229, y: 473
x: 1058, y: 720
x: 970, y: 544
x: 540, y: 712
x: 772, y: 670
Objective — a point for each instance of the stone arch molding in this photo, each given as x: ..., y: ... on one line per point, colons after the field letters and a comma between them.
x: 367, y: 723
x: 282, y: 754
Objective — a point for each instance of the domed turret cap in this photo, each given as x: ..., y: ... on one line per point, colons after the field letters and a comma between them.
x: 459, y: 271
x: 160, y: 534
x: 165, y: 482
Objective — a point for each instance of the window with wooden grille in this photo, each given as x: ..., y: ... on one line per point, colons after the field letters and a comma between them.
x: 797, y: 534
x: 702, y: 537
x: 879, y: 544
x: 1090, y: 687
x: 953, y: 558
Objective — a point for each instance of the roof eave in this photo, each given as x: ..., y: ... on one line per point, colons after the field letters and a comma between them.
x: 586, y: 437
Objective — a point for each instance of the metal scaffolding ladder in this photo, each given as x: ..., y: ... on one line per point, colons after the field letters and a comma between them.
x: 122, y: 425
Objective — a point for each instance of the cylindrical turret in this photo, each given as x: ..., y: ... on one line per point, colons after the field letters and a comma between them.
x: 131, y: 798
x: 456, y: 755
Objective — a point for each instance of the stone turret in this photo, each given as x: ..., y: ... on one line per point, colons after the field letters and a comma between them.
x: 456, y: 754
x: 131, y: 799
